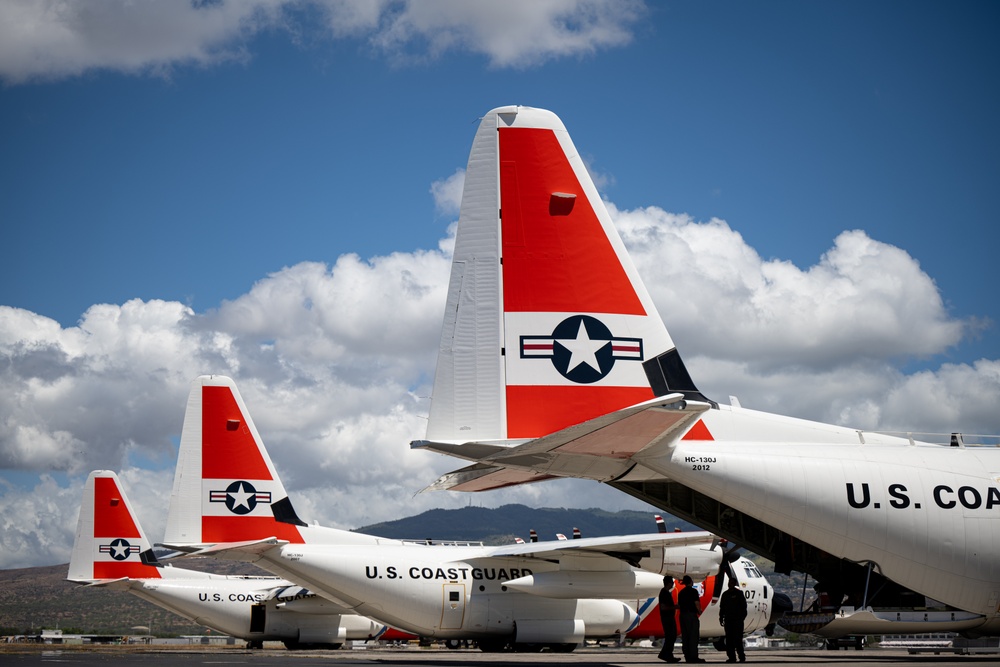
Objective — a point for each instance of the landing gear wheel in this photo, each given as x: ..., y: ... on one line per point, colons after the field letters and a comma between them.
x: 562, y: 648
x: 493, y: 645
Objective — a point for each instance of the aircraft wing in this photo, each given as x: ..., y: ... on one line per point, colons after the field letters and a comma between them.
x: 601, y: 448
x: 630, y: 548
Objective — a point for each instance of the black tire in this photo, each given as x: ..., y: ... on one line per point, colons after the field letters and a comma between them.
x: 302, y: 646
x: 562, y: 648
x: 493, y: 645
x: 528, y: 648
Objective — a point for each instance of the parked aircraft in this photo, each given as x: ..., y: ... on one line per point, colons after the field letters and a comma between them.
x: 554, y: 363
x: 111, y: 551
x: 229, y: 502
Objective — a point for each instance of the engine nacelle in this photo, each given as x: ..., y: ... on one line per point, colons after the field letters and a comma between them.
x: 592, y: 618
x: 550, y: 631
x: 696, y: 561
x: 570, y: 584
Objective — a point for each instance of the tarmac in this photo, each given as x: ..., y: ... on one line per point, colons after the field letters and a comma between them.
x: 25, y: 655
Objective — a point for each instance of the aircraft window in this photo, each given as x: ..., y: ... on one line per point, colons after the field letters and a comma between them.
x: 751, y: 571
x: 453, y: 596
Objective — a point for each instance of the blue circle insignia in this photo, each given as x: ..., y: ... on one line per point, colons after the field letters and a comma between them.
x: 582, y: 351
x: 241, y: 497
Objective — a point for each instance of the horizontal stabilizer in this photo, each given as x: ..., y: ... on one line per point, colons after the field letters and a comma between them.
x: 121, y: 584
x: 484, y: 477
x: 600, y: 448
x: 248, y: 552
x: 470, y: 451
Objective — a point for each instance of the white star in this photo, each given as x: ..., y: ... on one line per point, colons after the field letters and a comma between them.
x: 240, y: 497
x: 119, y: 551
x: 583, y: 350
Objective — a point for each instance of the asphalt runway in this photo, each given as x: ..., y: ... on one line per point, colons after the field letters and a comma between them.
x: 128, y: 656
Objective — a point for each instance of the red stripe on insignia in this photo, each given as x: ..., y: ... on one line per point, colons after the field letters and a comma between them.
x: 534, y: 411
x: 228, y: 453
x: 240, y: 528
x: 111, y: 515
x: 698, y: 432
x: 553, y: 263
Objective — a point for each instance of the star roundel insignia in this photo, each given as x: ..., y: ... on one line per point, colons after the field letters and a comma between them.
x: 241, y: 497
x: 582, y: 349
x: 120, y: 549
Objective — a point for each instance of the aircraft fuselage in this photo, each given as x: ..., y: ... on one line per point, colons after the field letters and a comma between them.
x: 927, y: 515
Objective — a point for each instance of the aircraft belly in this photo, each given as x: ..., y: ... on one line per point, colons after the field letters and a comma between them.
x: 899, y: 507
x: 231, y: 618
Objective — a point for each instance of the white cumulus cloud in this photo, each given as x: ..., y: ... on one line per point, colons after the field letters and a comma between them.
x: 335, y: 364
x: 54, y: 39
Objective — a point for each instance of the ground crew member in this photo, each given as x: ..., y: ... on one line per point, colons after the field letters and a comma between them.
x: 668, y: 619
x: 689, y: 605
x: 732, y: 613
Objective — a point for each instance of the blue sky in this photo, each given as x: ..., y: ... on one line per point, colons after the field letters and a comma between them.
x: 181, y: 155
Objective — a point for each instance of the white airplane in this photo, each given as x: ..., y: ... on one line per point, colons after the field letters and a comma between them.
x: 111, y: 550
x: 229, y: 502
x: 554, y: 363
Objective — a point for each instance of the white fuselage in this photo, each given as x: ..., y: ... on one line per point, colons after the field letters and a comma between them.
x: 247, y: 608
x: 456, y: 592
x: 927, y: 515
x: 445, y: 592
x: 759, y: 595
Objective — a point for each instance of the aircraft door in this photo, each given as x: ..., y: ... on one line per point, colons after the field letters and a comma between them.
x: 453, y: 606
x: 258, y: 617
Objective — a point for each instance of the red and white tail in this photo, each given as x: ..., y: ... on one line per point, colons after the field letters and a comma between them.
x: 225, y: 488
x: 110, y: 543
x: 547, y: 323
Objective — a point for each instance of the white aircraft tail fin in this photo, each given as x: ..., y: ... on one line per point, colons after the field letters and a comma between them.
x: 547, y: 322
x: 110, y: 543
x: 226, y: 488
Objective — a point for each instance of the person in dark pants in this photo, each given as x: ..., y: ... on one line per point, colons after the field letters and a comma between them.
x: 732, y: 613
x: 668, y: 618
x: 689, y: 605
